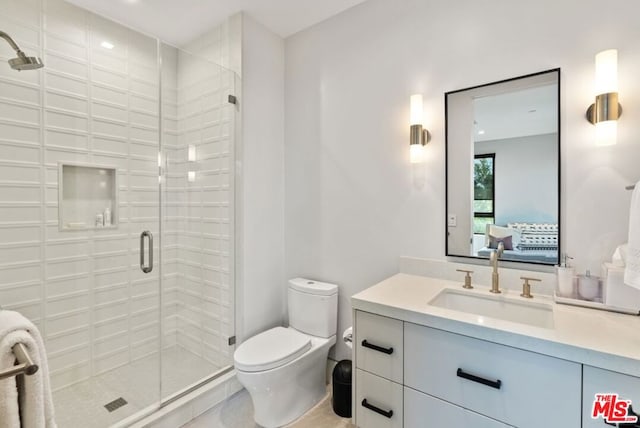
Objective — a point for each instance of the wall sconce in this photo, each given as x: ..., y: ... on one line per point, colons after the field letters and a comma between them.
x: 604, y: 113
x: 418, y: 136
x: 191, y: 157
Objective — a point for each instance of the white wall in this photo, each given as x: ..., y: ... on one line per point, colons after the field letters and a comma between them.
x: 460, y: 165
x: 257, y: 55
x: 260, y: 280
x: 526, y: 178
x: 351, y: 206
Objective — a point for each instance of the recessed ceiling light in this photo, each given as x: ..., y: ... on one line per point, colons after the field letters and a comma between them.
x: 481, y: 132
x: 106, y: 45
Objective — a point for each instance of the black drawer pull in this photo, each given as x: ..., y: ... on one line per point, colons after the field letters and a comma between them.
x: 492, y: 383
x: 377, y: 409
x: 387, y: 351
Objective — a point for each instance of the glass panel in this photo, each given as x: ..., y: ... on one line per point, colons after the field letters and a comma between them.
x: 85, y: 128
x: 483, y: 206
x: 480, y: 224
x: 198, y: 140
x: 483, y: 178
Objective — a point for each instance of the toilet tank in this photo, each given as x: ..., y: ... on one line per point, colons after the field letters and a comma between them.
x: 313, y: 307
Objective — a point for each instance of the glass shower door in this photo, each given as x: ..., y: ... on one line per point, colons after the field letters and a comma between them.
x: 197, y: 283
x: 108, y: 370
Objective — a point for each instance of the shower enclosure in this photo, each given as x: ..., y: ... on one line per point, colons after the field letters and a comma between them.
x: 116, y: 209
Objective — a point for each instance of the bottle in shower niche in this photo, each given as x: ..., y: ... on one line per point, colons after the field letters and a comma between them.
x: 107, y: 217
x: 99, y: 220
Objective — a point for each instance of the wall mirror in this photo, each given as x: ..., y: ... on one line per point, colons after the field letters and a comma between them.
x: 503, y: 169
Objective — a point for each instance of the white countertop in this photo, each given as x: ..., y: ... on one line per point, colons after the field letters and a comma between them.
x: 588, y: 336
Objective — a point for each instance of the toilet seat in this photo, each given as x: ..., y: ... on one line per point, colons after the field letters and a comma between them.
x: 270, y: 349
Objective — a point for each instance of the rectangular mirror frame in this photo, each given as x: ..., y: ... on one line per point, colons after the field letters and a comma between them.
x: 559, y: 166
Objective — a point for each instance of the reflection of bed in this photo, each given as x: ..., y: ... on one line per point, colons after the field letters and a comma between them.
x: 544, y: 256
x: 531, y: 242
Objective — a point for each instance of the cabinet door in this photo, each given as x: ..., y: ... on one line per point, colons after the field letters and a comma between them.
x: 378, y: 402
x: 424, y: 411
x: 379, y: 345
x: 599, y: 381
x: 521, y: 388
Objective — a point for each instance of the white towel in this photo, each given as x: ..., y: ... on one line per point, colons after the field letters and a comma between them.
x: 632, y: 269
x: 33, y: 403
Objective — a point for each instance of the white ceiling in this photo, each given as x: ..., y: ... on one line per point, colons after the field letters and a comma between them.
x: 180, y: 21
x: 531, y: 111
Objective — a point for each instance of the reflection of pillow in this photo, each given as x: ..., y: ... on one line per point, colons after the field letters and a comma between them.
x: 502, y: 232
x: 506, y: 241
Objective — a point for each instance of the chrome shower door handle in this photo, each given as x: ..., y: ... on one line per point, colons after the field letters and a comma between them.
x: 143, y: 268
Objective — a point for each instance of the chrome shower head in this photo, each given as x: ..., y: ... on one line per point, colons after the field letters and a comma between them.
x: 21, y: 62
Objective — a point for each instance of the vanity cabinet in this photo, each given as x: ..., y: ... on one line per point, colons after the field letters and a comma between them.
x: 600, y: 381
x: 429, y: 378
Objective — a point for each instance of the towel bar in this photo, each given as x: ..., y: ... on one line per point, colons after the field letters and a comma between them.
x: 25, y: 363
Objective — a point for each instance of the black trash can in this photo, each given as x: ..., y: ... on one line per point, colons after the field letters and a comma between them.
x: 341, y: 398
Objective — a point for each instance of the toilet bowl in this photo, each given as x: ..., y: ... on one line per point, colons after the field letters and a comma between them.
x: 284, y: 369
x: 283, y: 393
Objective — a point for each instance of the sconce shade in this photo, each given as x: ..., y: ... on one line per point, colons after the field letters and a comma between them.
x: 607, y: 133
x: 416, y: 110
x: 416, y: 153
x: 607, y: 72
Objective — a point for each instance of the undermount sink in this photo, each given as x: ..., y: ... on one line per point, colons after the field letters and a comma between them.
x: 496, y: 306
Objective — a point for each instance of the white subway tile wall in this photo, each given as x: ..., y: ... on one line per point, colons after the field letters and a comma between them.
x: 84, y: 288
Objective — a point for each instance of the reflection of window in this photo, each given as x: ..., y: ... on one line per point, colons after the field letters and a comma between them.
x: 483, y: 191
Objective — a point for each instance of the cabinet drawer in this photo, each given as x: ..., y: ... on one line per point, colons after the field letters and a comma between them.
x: 379, y: 346
x: 517, y: 387
x: 378, y: 401
x: 424, y: 411
x: 599, y: 381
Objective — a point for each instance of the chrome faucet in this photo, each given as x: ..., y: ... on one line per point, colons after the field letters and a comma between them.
x: 493, y: 260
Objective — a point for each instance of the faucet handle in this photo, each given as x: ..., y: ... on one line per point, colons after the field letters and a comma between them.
x: 526, y: 287
x: 467, y: 278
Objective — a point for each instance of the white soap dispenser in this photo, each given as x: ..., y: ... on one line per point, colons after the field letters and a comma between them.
x: 566, y: 275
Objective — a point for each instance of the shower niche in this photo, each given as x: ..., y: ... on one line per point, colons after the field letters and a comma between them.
x: 87, y: 197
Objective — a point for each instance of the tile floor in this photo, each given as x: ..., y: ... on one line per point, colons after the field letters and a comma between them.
x: 237, y: 412
x: 82, y: 404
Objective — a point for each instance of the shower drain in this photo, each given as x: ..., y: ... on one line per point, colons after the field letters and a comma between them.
x: 115, y: 404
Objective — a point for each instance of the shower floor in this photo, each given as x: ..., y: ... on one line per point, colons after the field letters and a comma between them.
x: 82, y: 404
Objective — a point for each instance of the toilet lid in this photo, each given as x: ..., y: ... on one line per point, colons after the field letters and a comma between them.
x: 270, y: 349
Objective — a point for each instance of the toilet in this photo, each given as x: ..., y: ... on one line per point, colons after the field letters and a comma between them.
x: 284, y: 369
